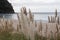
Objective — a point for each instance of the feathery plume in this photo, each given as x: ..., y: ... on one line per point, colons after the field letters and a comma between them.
x: 48, y: 19
x: 46, y: 31
x: 35, y: 24
x: 30, y: 15
x: 51, y: 19
x: 55, y: 13
x: 24, y: 10
x: 57, y: 28
x: 40, y: 26
x: 19, y: 21
x: 46, y: 28
x: 58, y: 20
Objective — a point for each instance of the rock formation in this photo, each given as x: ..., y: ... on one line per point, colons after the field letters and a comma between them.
x: 6, y: 7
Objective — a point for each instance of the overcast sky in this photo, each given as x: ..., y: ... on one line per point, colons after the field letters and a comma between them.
x: 36, y: 5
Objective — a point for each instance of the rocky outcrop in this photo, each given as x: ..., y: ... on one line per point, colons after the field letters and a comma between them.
x: 6, y: 7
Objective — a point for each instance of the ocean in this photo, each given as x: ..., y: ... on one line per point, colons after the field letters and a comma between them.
x: 37, y: 15
x: 43, y: 15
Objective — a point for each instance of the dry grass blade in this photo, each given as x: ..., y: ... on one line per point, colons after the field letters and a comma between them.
x: 48, y: 19
x: 51, y: 19
x: 30, y: 15
x: 57, y: 28
x: 46, y: 31
x: 19, y: 21
x: 55, y: 13
x: 58, y: 20
x: 41, y: 25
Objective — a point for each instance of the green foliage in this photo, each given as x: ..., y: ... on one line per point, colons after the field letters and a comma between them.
x: 58, y: 37
x: 37, y: 37
x: 51, y: 38
x: 17, y: 36
x: 5, y: 35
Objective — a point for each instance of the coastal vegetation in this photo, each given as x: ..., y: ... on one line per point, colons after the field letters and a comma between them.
x: 27, y: 29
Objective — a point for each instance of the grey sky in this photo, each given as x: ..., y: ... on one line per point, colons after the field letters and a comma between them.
x: 36, y: 5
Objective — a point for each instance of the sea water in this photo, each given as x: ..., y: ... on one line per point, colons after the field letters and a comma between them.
x: 37, y: 15
x: 44, y: 15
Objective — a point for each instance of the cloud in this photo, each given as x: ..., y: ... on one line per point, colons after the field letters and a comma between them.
x: 44, y: 1
x: 29, y: 1
x: 36, y: 5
